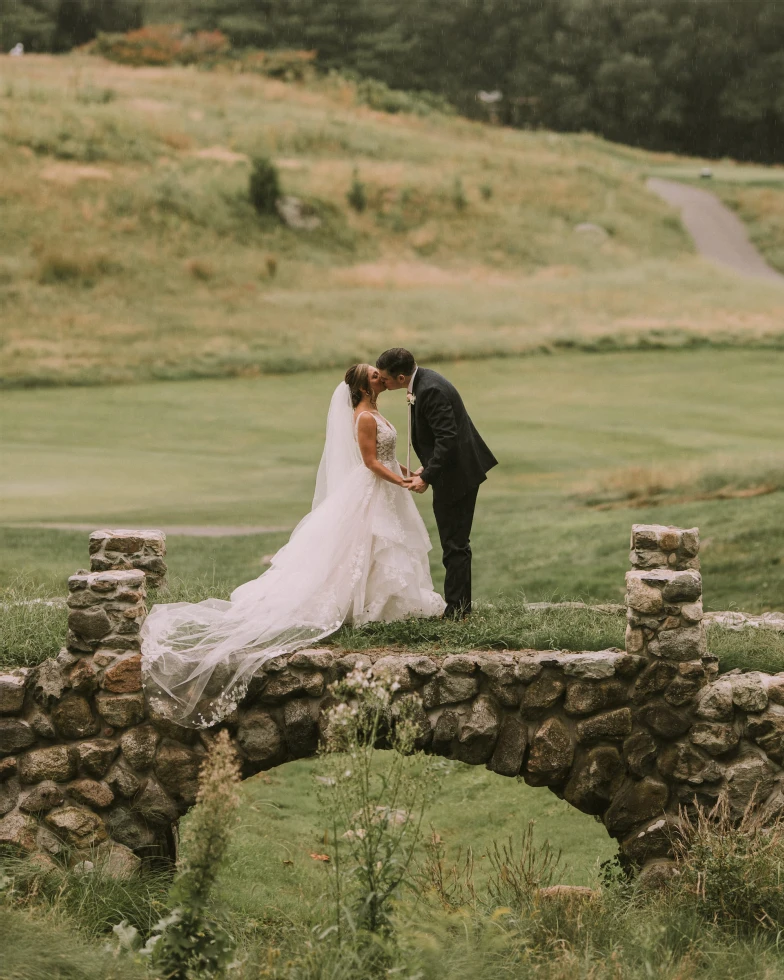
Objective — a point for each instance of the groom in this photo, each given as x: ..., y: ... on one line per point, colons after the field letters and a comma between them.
x: 455, y: 460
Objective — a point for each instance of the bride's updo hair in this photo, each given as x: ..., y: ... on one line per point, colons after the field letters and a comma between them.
x: 358, y: 380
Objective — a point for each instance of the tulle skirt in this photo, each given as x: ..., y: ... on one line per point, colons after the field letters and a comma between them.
x: 361, y: 556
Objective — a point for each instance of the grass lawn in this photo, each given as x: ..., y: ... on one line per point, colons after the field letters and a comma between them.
x: 588, y: 444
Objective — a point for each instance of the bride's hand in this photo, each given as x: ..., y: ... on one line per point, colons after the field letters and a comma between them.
x: 406, y: 483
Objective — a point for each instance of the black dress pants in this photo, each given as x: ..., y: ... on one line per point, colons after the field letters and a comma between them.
x: 454, y: 519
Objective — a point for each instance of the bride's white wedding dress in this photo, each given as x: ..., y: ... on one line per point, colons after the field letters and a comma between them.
x: 359, y: 556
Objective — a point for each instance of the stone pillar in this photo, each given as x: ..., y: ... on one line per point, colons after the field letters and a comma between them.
x: 664, y: 594
x: 122, y: 549
x: 665, y: 625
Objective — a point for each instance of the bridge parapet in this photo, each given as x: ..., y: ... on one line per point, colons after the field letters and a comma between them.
x: 87, y: 765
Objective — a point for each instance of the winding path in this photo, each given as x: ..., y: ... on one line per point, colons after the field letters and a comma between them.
x: 719, y: 235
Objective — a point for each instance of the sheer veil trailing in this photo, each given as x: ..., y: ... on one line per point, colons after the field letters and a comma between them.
x: 359, y: 555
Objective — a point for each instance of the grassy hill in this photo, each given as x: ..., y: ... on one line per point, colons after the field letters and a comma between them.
x: 130, y: 250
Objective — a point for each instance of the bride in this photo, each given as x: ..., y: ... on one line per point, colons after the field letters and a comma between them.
x: 359, y: 556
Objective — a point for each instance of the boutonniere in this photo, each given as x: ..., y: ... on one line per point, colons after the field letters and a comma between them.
x: 411, y: 398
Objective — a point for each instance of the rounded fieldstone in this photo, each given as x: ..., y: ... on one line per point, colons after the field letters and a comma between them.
x: 74, y: 718
x: 639, y: 753
x: 9, y: 795
x: 122, y: 780
x: 594, y: 779
x: 57, y: 762
x: 139, y: 745
x: 585, y: 697
x: 449, y: 689
x: 312, y: 659
x: 641, y: 597
x: 117, y: 861
x: 527, y: 670
x: 664, y: 720
x: 120, y: 710
x: 91, y: 793
x: 84, y: 676
x: 445, y: 731
x: 542, y: 692
x: 767, y: 730
x: 89, y: 624
x: 685, y: 763
x: 42, y: 797
x: 77, y: 826
x: 610, y: 724
x: 130, y: 829
x: 260, y: 738
x: 154, y: 804
x: 551, y: 754
x: 15, y: 735
x: 683, y: 587
x: 177, y: 769
x: 18, y: 831
x: 12, y: 692
x: 510, y: 748
x: 716, y: 738
x: 301, y: 727
x: 125, y: 675
x: 96, y: 756
x: 634, y: 803
x: 478, y: 734
x: 715, y: 701
x: 749, y: 692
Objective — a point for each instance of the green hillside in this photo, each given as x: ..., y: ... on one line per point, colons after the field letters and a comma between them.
x: 130, y: 249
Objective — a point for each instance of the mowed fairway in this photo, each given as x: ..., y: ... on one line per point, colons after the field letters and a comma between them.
x: 569, y: 431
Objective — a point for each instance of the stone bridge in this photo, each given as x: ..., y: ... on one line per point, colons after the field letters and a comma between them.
x: 88, y: 768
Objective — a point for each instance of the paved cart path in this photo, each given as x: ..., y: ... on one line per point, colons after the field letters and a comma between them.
x: 719, y: 235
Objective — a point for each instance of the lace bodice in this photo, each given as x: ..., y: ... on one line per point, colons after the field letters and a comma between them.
x: 386, y: 438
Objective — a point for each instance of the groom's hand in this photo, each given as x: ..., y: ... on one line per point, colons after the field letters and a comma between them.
x: 418, y: 485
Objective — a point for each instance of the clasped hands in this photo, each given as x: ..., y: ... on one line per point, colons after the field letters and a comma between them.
x: 413, y: 481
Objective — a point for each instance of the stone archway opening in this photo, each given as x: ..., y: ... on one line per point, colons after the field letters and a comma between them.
x: 630, y: 736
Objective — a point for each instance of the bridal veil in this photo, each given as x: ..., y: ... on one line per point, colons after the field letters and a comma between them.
x: 359, y: 555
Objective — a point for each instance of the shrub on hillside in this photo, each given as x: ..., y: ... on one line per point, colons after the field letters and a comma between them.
x: 264, y: 187
x: 290, y: 66
x: 357, y: 196
x: 162, y: 44
x: 378, y: 95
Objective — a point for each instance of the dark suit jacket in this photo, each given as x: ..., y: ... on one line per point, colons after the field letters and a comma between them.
x: 454, y: 455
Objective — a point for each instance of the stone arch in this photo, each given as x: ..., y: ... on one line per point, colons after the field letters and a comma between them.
x: 627, y: 735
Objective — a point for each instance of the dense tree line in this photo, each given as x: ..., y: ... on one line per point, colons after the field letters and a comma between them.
x: 700, y: 76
